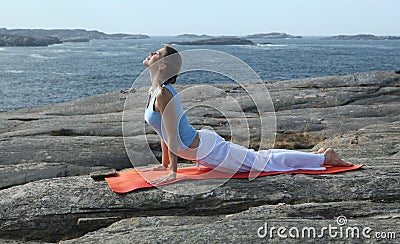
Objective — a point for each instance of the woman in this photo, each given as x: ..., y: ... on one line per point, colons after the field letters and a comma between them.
x: 165, y: 114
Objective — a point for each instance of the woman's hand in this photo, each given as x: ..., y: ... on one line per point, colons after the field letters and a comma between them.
x: 156, y: 168
x: 164, y: 179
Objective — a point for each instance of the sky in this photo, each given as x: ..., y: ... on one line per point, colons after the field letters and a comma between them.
x: 211, y: 17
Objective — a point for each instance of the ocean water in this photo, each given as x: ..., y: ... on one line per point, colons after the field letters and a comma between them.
x: 37, y: 76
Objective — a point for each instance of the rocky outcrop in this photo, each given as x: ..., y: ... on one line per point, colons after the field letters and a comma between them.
x: 218, y: 41
x: 273, y: 35
x: 26, y: 41
x: 43, y: 148
x: 362, y: 37
x: 259, y: 224
x: 76, y: 40
x: 72, y: 206
x: 193, y: 36
x: 127, y: 36
x: 68, y: 34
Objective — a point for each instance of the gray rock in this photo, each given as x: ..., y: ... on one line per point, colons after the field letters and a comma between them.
x: 19, y: 174
x: 357, y: 114
x: 87, y: 132
x: 245, y: 227
x: 72, y: 206
x: 27, y: 41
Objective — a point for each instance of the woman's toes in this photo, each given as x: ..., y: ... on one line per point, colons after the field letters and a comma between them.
x: 346, y: 163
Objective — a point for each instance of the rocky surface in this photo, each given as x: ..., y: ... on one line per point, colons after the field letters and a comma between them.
x: 217, y: 41
x: 308, y: 219
x: 27, y: 41
x: 43, y: 148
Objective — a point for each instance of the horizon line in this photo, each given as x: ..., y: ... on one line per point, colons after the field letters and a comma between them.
x: 212, y: 35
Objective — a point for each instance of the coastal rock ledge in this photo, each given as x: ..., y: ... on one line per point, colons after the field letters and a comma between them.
x: 27, y: 41
x: 47, y: 152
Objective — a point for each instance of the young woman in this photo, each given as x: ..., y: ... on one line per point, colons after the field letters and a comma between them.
x: 179, y: 139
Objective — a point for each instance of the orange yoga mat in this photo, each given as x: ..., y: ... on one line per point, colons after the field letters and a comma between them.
x: 130, y: 180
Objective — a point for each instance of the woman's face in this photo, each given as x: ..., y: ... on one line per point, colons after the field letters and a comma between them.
x: 154, y: 57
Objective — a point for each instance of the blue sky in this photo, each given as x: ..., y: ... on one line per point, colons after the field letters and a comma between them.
x: 213, y: 17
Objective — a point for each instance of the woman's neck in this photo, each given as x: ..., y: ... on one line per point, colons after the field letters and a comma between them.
x: 155, y: 81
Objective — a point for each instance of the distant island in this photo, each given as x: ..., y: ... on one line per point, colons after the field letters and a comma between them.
x: 120, y: 36
x: 41, y: 37
x: 218, y: 41
x: 193, y: 36
x: 272, y: 35
x: 362, y: 37
x: 27, y: 41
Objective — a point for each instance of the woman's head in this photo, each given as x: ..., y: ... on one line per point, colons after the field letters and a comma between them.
x: 166, y: 62
x: 173, y: 61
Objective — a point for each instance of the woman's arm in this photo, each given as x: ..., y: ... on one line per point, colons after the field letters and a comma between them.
x: 164, y: 102
x: 165, y: 154
x: 164, y: 158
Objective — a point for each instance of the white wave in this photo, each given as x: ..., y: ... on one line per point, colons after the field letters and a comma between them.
x: 271, y: 45
x: 63, y: 73
x: 112, y: 54
x: 265, y: 46
x: 103, y: 53
x: 2, y: 49
x: 38, y: 56
x: 13, y: 71
x: 135, y: 47
x: 60, y: 50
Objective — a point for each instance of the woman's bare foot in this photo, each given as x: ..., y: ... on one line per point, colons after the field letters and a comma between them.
x: 321, y: 150
x: 331, y: 158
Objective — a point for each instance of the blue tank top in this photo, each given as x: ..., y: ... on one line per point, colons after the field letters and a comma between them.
x: 186, y: 132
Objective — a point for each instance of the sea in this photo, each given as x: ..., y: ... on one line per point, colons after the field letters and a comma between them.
x: 38, y: 76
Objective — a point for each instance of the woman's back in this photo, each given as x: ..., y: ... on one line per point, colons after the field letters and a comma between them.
x: 186, y: 132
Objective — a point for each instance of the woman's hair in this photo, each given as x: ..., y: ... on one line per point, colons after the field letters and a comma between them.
x: 173, y: 63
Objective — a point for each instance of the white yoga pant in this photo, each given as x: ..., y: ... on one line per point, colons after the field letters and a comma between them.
x: 216, y: 153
